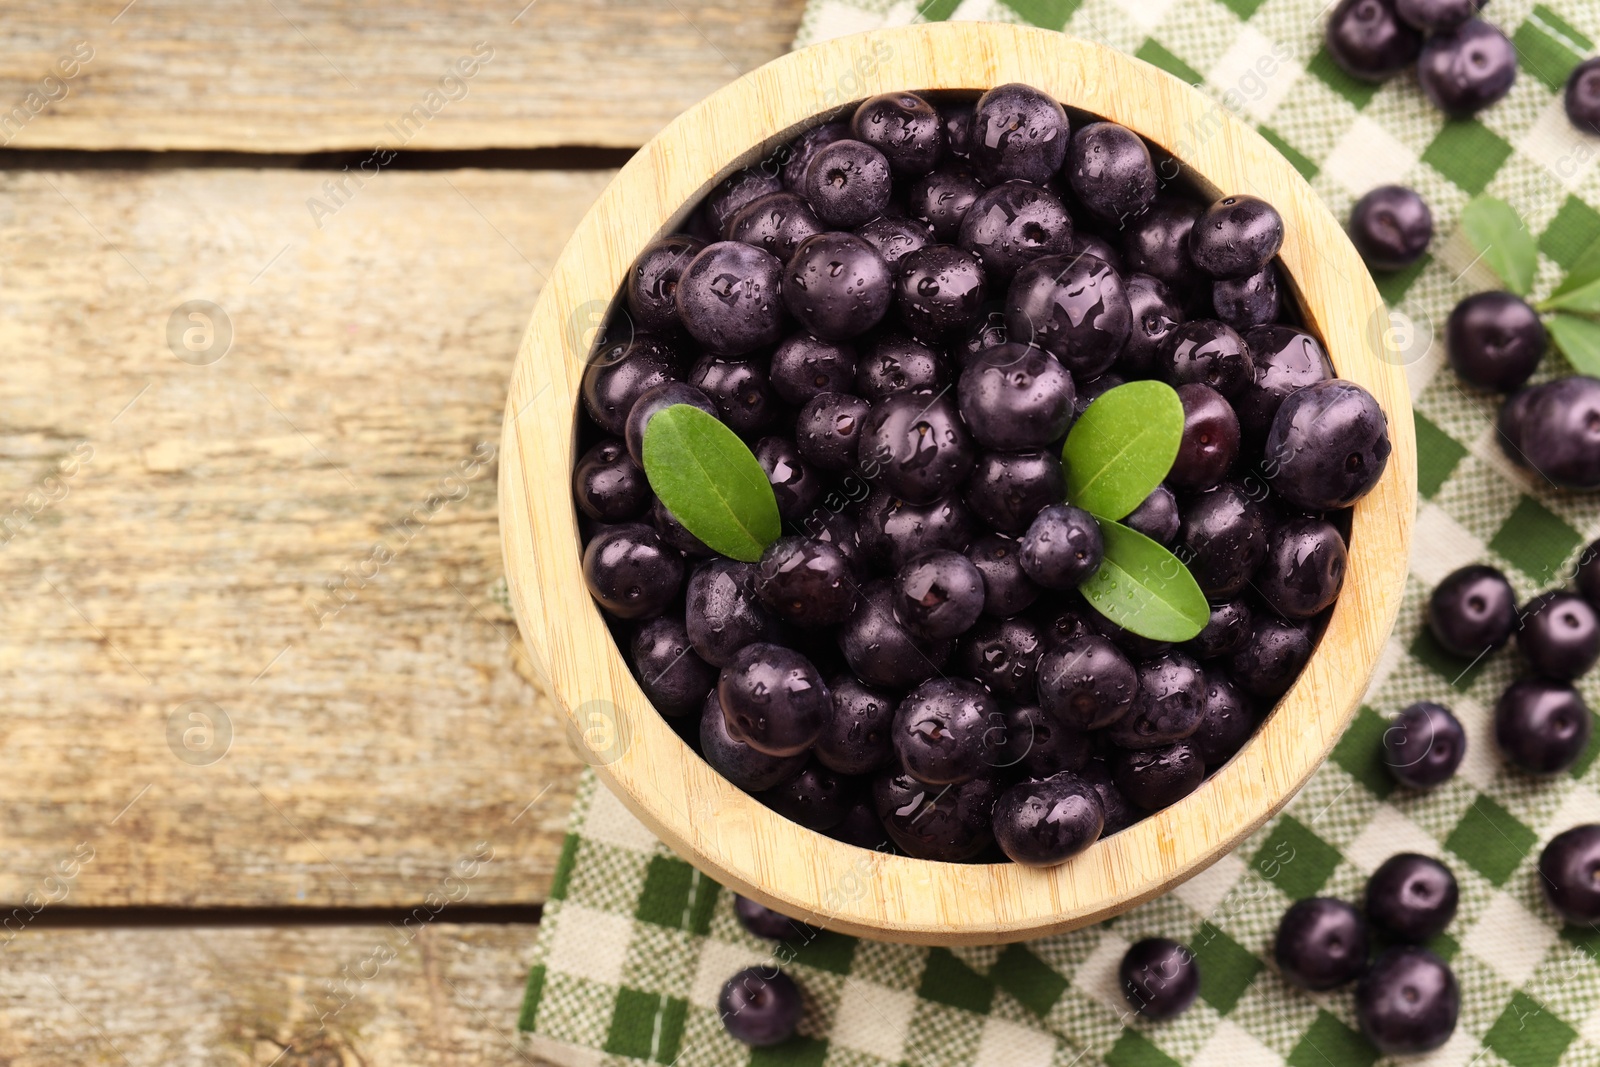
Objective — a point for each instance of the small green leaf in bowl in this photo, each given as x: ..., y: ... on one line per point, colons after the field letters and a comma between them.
x: 710, y: 482
x: 1122, y: 446
x: 1145, y: 589
x: 1504, y: 244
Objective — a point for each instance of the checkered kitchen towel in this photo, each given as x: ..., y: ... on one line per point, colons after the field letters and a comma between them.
x: 635, y: 944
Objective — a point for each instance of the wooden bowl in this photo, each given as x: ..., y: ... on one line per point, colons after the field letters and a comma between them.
x: 708, y: 821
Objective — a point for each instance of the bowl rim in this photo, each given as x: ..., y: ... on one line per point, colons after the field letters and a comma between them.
x: 704, y: 818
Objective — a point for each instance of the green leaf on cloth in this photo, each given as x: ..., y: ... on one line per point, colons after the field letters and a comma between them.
x: 1498, y: 234
x: 1578, y: 339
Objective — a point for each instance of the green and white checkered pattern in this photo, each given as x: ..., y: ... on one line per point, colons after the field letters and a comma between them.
x: 635, y: 944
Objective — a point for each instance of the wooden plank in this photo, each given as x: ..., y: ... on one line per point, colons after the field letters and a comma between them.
x: 438, y: 993
x: 170, y: 528
x: 297, y: 76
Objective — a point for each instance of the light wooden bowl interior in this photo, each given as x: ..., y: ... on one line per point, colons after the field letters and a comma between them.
x: 726, y: 833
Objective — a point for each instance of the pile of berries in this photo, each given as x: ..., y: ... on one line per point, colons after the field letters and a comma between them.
x: 1463, y: 63
x: 903, y: 314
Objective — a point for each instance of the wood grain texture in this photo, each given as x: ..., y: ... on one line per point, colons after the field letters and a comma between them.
x: 336, y: 996
x: 187, y: 556
x: 728, y: 834
x: 296, y: 76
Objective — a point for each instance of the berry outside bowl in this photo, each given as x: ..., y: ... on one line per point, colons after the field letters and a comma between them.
x: 728, y: 834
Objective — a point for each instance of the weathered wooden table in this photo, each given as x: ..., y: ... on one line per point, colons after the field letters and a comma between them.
x: 263, y: 268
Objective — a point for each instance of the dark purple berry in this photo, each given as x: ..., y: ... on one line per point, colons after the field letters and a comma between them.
x: 1304, y: 569
x: 762, y: 921
x: 878, y: 648
x: 856, y: 737
x: 897, y: 363
x: 630, y: 571
x: 1062, y: 548
x: 1391, y: 227
x: 1156, y: 517
x: 895, y: 237
x: 799, y: 152
x: 1072, y: 306
x: 1510, y: 422
x: 1495, y: 340
x: 827, y: 431
x: 904, y: 127
x: 1431, y: 16
x: 776, y: 223
x: 751, y: 770
x: 1157, y: 242
x: 806, y: 582
x: 1224, y: 631
x: 1588, y: 575
x: 1559, y: 635
x: 1223, y: 539
x: 1087, y: 244
x: 1006, y: 589
x: 1156, y: 315
x: 1047, y: 821
x: 1207, y: 352
x: 893, y: 532
x: 1328, y: 446
x: 1167, y: 706
x: 816, y: 798
x: 1424, y: 745
x: 1561, y: 438
x: 774, y: 699
x: 1156, y: 778
x: 1247, y: 302
x: 1002, y: 654
x: 956, y: 118
x: 1011, y: 225
x: 724, y: 614
x: 675, y: 533
x: 1160, y: 978
x: 1236, y: 237
x: 1119, y: 813
x: 608, y: 485
x: 846, y: 183
x: 916, y: 446
x: 836, y: 286
x: 1284, y: 360
x: 939, y: 730
x: 938, y: 595
x: 617, y: 375
x: 1267, y: 662
x: 1227, y: 722
x: 655, y: 400
x: 803, y: 367
x: 1569, y: 872
x: 1369, y: 41
x: 942, y: 199
x: 760, y: 1006
x: 652, y: 286
x: 729, y: 298
x: 1095, y: 388
x: 739, y: 389
x: 1210, y: 441
x: 1018, y: 132
x: 1412, y: 897
x: 862, y: 828
x: 1038, y: 743
x: 738, y: 189
x: 1321, y: 944
x: 1086, y: 682
x: 1407, y: 1002
x: 1014, y: 397
x: 949, y: 824
x: 671, y: 675
x: 1541, y: 726
x: 1007, y: 489
x: 1582, y: 96
x: 1466, y: 69
x: 1110, y: 172
x: 794, y: 484
x: 940, y: 289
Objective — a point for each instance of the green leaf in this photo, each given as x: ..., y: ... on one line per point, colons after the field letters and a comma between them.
x: 1144, y: 588
x: 710, y: 482
x: 1584, y: 299
x: 1585, y: 269
x: 1503, y: 242
x: 1122, y: 446
x: 1579, y: 341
